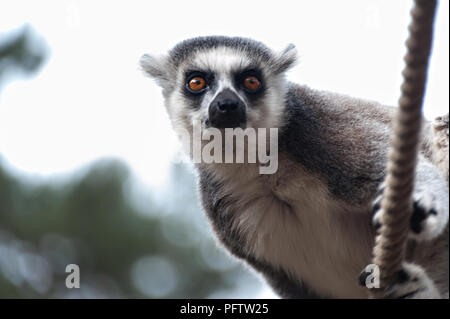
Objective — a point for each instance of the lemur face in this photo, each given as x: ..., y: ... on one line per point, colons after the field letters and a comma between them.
x: 221, y: 88
x: 222, y: 82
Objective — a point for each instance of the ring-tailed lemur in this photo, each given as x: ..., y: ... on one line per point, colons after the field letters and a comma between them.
x: 308, y: 227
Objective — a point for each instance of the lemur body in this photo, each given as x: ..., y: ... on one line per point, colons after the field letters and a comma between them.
x: 307, y: 227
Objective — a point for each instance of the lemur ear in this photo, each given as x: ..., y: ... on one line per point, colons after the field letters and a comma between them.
x: 156, y: 68
x: 285, y: 59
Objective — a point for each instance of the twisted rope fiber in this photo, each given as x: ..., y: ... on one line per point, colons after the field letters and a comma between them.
x: 390, y: 244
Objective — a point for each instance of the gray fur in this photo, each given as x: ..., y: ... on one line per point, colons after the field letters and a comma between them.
x: 187, y: 48
x: 307, y: 228
x: 342, y: 139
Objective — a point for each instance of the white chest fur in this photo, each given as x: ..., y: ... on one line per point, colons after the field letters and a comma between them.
x: 290, y: 221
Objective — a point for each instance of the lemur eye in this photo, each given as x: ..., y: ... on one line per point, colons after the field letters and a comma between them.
x: 196, y: 84
x: 252, y: 83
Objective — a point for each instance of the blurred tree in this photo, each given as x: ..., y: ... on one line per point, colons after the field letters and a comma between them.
x: 21, y: 52
x: 88, y: 220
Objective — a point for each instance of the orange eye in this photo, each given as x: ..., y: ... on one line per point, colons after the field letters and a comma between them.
x: 252, y: 83
x: 197, y: 84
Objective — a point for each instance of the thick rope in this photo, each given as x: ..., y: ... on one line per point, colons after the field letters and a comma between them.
x: 389, y: 250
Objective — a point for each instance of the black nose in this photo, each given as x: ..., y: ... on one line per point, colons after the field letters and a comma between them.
x: 227, y: 110
x: 227, y: 105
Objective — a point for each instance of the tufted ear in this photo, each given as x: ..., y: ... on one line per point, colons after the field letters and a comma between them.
x: 285, y: 59
x: 156, y: 68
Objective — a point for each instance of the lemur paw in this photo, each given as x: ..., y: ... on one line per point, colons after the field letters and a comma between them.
x: 412, y: 283
x: 427, y: 220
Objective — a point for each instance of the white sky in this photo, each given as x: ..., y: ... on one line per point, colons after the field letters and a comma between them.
x: 90, y: 100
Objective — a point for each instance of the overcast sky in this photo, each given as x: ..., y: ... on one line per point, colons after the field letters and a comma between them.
x: 91, y: 100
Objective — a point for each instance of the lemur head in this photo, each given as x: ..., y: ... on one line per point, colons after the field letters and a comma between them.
x: 222, y: 82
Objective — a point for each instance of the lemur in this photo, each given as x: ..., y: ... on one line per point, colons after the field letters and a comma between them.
x: 308, y: 227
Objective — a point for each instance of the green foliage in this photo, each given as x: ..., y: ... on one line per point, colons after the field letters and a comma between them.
x: 106, y: 235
